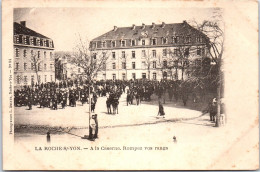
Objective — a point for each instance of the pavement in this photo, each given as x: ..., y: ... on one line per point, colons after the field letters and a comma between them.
x: 199, y: 144
x: 77, y: 117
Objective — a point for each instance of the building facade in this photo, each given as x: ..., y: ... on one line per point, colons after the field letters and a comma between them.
x: 150, y: 51
x: 33, y: 56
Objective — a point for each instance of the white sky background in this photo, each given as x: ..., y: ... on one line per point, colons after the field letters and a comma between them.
x: 63, y: 25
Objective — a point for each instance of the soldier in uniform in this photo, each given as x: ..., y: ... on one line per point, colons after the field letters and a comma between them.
x: 30, y: 101
x: 54, y: 102
x: 63, y: 100
x: 96, y: 133
x: 92, y: 127
x: 213, y: 110
x: 161, y: 110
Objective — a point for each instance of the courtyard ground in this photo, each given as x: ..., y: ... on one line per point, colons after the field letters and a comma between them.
x: 199, y: 144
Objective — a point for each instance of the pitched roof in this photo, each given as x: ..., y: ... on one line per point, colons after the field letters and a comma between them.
x: 20, y: 29
x: 156, y: 31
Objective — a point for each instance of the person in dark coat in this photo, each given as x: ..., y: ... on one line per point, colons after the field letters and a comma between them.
x: 161, y: 110
x: 96, y: 133
x: 213, y: 110
x: 108, y: 102
x: 30, y: 102
x: 93, y: 105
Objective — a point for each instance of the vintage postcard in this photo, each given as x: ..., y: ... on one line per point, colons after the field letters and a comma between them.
x: 130, y: 85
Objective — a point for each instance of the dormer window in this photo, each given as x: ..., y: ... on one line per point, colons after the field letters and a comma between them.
x: 113, y: 43
x: 133, y: 42
x: 94, y: 45
x: 143, y: 42
x: 163, y: 24
x: 153, y: 25
x: 199, y: 39
x: 24, y: 39
x: 143, y: 26
x: 20, y: 39
x: 47, y: 43
x: 154, y: 41
x: 187, y: 39
x: 51, y: 44
x: 16, y: 39
x: 122, y: 43
x: 27, y: 40
x: 164, y: 40
x: 103, y: 44
x: 176, y: 39
x: 38, y: 42
x: 31, y: 41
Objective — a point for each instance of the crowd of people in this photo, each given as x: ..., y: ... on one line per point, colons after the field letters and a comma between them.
x: 59, y: 95
x: 69, y: 92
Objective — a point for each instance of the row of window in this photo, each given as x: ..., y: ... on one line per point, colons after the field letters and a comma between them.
x: 39, y: 67
x: 134, y: 76
x: 153, y: 41
x: 27, y: 40
x: 37, y: 53
x: 144, y: 64
x: 19, y: 79
x: 176, y: 52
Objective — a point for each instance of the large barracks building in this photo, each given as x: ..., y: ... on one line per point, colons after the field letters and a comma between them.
x: 143, y: 51
x: 28, y: 43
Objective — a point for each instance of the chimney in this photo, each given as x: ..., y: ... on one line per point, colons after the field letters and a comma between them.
x: 23, y: 23
x: 153, y: 25
x: 133, y: 27
x: 115, y: 28
x: 163, y: 24
x: 143, y: 26
x: 184, y: 21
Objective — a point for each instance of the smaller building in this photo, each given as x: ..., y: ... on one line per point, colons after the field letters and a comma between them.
x: 60, y: 67
x: 64, y: 68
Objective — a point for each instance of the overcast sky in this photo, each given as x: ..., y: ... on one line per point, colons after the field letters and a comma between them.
x: 64, y: 25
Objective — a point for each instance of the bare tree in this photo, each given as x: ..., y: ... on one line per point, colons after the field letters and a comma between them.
x: 90, y: 62
x: 148, y: 55
x: 179, y: 59
x: 215, y: 32
x: 36, y: 62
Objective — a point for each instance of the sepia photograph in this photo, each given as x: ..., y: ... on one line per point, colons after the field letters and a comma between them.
x: 128, y: 87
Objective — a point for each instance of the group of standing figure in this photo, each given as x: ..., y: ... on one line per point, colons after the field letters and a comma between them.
x: 69, y: 92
